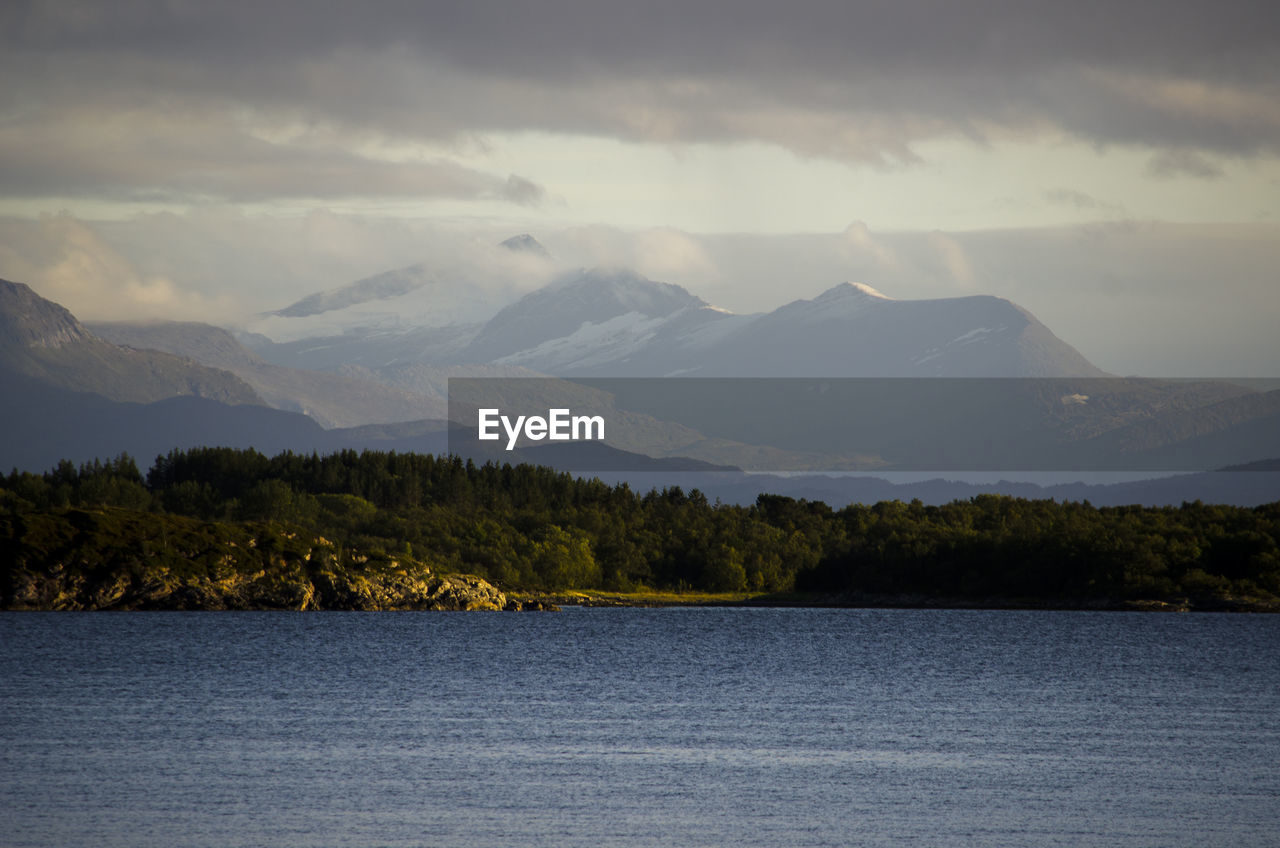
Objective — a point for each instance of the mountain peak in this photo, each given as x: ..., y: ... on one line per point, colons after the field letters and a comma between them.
x: 525, y: 243
x: 838, y: 303
x: 622, y: 288
x: 852, y: 290
x: 583, y: 297
x: 31, y: 321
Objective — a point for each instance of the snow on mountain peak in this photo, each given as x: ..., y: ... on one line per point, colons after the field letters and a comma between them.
x: 851, y: 290
x: 870, y: 291
x: 624, y: 289
x: 584, y: 297
x: 837, y: 302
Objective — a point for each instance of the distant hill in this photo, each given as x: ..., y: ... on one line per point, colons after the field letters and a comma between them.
x: 331, y: 399
x: 45, y: 424
x: 70, y: 394
x: 1241, y: 488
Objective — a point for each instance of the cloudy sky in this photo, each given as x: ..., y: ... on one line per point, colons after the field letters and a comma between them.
x: 1115, y: 167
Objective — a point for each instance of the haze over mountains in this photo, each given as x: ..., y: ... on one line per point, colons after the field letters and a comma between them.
x: 331, y: 399
x: 367, y: 365
x: 419, y: 296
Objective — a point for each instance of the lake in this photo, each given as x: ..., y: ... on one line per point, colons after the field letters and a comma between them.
x: 640, y: 727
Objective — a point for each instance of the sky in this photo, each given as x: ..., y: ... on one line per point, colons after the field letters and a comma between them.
x: 1114, y: 167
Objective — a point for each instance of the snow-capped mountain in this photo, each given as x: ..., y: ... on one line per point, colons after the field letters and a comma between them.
x: 619, y: 324
x: 602, y: 324
x: 453, y: 294
x: 403, y: 299
x: 595, y: 313
x: 613, y: 322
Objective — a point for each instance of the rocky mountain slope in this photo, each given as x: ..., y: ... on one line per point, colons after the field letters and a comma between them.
x: 42, y: 340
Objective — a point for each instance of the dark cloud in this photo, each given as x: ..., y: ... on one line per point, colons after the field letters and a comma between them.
x: 857, y: 80
x: 1070, y: 197
x: 567, y: 38
x: 1177, y: 163
x: 519, y: 190
x: 143, y: 156
x: 1080, y: 200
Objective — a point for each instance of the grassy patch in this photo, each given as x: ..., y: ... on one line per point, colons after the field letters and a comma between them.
x: 640, y: 599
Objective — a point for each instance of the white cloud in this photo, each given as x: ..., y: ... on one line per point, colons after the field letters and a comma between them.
x: 953, y: 259
x: 860, y: 245
x: 68, y: 262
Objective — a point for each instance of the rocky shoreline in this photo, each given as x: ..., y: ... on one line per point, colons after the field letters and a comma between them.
x: 61, y: 588
x: 412, y: 586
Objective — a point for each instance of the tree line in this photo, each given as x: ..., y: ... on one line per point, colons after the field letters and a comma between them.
x: 532, y: 528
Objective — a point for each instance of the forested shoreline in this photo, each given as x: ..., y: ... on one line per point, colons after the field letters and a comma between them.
x: 321, y: 530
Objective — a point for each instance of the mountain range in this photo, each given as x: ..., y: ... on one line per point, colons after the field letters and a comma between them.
x: 367, y: 366
x: 617, y: 323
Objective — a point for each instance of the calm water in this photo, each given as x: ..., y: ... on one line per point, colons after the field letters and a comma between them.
x: 627, y: 727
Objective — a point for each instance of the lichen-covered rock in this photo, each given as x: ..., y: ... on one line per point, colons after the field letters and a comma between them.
x: 467, y: 592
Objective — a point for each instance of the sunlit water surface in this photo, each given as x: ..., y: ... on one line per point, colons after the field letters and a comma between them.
x: 632, y: 727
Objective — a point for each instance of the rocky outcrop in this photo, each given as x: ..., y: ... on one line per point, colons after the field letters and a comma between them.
x: 114, y: 559
x: 406, y: 590
x: 61, y: 588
